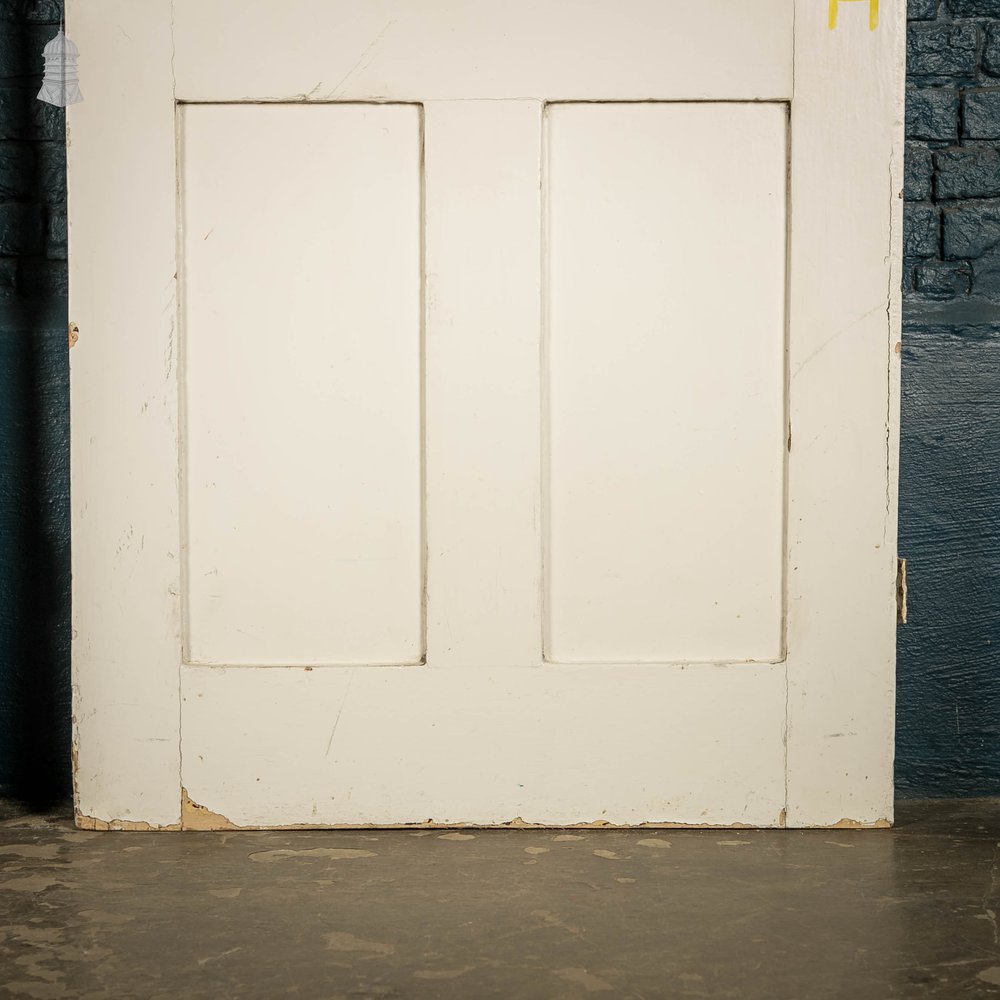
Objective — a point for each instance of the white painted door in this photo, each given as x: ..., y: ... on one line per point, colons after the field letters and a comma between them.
x: 484, y: 413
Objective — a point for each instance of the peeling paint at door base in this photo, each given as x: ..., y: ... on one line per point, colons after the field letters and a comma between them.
x: 198, y: 817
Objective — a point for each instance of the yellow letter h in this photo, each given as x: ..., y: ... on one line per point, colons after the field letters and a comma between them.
x: 872, y: 13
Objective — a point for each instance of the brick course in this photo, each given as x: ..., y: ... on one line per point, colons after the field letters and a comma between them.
x: 991, y: 50
x: 918, y: 184
x: 975, y: 8
x: 952, y: 172
x: 921, y: 230
x: 32, y: 161
x: 932, y: 113
x: 970, y: 230
x: 942, y: 49
x: 981, y: 114
x: 922, y: 10
x: 960, y: 173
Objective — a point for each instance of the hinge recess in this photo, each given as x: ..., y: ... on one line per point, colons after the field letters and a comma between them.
x: 900, y: 591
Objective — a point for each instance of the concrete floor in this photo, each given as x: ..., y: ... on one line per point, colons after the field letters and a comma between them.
x: 908, y: 912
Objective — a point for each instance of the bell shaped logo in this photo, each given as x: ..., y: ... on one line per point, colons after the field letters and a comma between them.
x: 60, y: 86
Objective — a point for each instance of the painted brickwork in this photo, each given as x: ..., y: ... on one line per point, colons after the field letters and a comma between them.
x: 952, y: 230
x: 948, y: 695
x: 32, y: 160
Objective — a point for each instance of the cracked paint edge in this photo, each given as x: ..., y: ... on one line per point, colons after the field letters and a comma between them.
x: 197, y: 817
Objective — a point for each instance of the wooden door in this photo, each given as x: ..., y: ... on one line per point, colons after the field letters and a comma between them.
x: 484, y: 413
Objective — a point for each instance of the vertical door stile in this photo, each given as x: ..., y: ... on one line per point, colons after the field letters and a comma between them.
x: 843, y: 407
x: 126, y: 619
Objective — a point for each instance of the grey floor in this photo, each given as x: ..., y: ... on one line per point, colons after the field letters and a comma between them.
x: 906, y: 912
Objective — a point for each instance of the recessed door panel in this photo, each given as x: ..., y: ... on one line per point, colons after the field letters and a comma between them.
x: 302, y: 375
x: 666, y: 381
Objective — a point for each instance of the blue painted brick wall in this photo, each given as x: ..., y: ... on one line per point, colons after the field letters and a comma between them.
x: 948, y: 675
x: 952, y: 162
